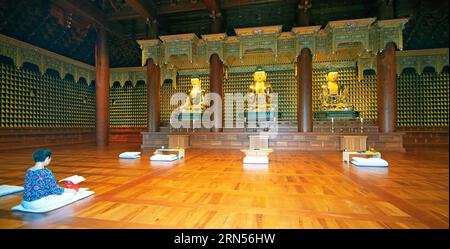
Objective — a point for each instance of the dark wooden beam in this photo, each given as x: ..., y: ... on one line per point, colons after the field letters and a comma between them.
x: 239, y: 3
x: 146, y: 9
x: 125, y: 15
x: 212, y: 6
x: 201, y: 5
x: 84, y: 9
x: 184, y: 7
x: 303, y: 12
x: 181, y: 7
x: 216, y: 15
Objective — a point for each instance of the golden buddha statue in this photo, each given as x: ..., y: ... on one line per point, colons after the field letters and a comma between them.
x: 334, y: 97
x: 260, y: 86
x: 195, y: 100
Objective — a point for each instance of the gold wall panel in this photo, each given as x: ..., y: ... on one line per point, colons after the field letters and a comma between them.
x: 128, y: 105
x: 29, y: 99
x: 183, y: 85
x: 422, y: 99
x: 363, y: 94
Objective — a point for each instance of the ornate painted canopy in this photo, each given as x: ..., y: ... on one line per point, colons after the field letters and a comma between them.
x: 340, y: 43
x: 21, y: 52
x: 356, y: 40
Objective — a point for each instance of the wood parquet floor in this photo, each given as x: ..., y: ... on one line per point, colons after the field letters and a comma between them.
x: 212, y: 189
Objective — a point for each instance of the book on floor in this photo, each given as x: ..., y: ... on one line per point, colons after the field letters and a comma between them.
x: 74, y: 179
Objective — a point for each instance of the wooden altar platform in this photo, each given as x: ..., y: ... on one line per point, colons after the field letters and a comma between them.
x: 315, y: 141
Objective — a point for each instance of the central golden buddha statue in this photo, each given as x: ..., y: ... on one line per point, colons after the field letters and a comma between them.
x: 334, y: 97
x: 195, y: 100
x: 260, y: 86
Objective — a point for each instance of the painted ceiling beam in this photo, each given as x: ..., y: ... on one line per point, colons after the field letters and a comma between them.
x: 125, y: 15
x: 203, y: 5
x: 212, y: 6
x: 146, y: 9
x: 182, y: 7
x: 84, y: 9
x: 238, y: 3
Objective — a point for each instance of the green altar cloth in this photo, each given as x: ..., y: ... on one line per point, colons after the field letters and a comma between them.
x: 325, y: 115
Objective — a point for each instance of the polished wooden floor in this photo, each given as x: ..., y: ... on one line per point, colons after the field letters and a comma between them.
x: 212, y: 189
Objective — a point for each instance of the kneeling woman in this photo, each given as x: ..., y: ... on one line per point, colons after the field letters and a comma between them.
x: 40, y: 188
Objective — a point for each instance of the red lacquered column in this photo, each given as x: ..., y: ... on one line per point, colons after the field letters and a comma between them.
x: 102, y: 88
x: 216, y: 86
x: 304, y: 91
x: 387, y: 89
x: 153, y: 96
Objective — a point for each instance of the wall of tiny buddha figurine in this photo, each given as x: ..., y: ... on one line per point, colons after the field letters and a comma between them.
x: 283, y: 83
x: 236, y: 83
x: 183, y: 85
x: 29, y: 99
x: 363, y: 94
x: 128, y: 105
x: 422, y: 99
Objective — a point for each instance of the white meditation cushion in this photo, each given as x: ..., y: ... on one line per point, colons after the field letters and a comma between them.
x: 9, y: 189
x: 130, y: 155
x: 81, y: 194
x: 256, y: 159
x: 358, y: 159
x: 164, y: 157
x: 369, y: 162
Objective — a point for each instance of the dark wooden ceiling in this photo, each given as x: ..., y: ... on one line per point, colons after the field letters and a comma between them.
x: 71, y: 33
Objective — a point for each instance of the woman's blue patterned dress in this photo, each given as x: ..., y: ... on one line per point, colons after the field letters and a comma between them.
x: 40, y: 183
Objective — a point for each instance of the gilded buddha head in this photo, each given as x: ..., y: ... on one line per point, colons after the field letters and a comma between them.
x: 332, y: 76
x: 260, y: 75
x: 195, y: 81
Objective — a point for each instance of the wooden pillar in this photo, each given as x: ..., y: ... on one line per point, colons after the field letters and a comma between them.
x: 214, y: 12
x: 153, y: 96
x: 386, y: 9
x: 387, y: 89
x: 216, y: 86
x: 303, y: 13
x: 216, y: 25
x: 304, y: 91
x: 153, y: 30
x: 102, y: 87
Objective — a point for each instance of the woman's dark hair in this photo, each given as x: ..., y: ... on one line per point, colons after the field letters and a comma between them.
x: 41, y: 154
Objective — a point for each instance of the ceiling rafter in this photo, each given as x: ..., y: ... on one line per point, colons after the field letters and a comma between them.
x: 146, y: 9
x: 239, y: 3
x: 212, y: 6
x: 184, y: 7
x: 86, y: 10
x: 124, y: 15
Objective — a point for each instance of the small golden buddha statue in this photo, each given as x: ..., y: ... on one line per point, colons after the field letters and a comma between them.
x: 334, y: 97
x: 195, y: 100
x: 260, y: 86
